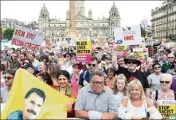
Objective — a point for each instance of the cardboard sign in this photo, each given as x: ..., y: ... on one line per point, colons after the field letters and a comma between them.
x: 128, y: 35
x: 83, y: 51
x: 167, y: 108
x: 27, y: 38
x: 101, y: 40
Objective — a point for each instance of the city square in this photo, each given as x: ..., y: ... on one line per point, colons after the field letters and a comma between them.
x: 88, y: 60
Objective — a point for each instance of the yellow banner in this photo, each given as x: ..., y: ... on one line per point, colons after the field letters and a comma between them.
x: 31, y: 98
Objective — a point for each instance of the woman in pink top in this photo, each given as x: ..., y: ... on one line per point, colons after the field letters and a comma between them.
x: 74, y: 79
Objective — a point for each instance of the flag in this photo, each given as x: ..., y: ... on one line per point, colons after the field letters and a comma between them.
x: 34, y: 99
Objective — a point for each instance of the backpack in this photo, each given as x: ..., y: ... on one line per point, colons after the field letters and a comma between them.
x: 156, y: 97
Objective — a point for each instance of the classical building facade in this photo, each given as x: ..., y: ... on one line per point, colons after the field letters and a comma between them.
x: 164, y: 21
x: 55, y: 29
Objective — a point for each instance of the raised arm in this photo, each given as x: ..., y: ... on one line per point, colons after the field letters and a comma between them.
x: 114, y: 60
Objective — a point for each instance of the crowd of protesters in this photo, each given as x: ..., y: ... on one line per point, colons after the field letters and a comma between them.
x: 110, y: 87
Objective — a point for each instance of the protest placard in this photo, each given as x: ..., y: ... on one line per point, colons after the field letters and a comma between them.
x: 122, y: 50
x: 83, y: 51
x: 167, y: 108
x: 27, y: 38
x: 139, y: 54
x: 30, y: 94
x: 128, y: 35
x: 100, y: 41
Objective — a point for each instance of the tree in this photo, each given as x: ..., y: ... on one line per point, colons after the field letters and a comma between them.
x: 143, y: 32
x: 8, y: 33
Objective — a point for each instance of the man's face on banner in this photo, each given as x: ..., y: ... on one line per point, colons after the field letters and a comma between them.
x: 32, y: 106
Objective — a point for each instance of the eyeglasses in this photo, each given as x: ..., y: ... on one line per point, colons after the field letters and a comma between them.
x: 165, y: 82
x: 157, y: 67
x: 93, y: 65
x: 97, y: 83
x: 131, y: 62
x: 8, y: 78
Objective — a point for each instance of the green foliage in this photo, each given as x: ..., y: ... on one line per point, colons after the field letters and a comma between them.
x: 143, y: 32
x: 8, y: 33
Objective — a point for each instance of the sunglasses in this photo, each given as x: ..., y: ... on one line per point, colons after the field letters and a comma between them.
x: 131, y: 62
x: 93, y: 65
x: 157, y: 67
x: 165, y: 82
x: 8, y: 78
x: 170, y: 57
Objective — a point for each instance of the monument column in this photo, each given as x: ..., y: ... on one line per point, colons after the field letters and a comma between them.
x: 72, y: 33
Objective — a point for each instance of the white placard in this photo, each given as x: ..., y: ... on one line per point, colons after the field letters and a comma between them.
x: 128, y: 35
x: 27, y: 38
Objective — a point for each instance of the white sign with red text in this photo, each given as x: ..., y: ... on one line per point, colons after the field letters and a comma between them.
x: 128, y: 35
x: 27, y: 38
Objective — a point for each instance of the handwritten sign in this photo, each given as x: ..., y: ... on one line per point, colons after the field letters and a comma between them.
x: 167, y: 108
x: 128, y: 35
x: 83, y: 51
x: 27, y: 38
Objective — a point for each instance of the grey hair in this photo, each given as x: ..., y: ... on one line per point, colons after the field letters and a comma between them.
x: 100, y: 74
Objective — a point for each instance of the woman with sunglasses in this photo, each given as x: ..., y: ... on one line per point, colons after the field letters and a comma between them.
x: 153, y: 79
x: 165, y: 93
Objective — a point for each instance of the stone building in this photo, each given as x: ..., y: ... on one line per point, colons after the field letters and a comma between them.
x: 56, y: 29
x: 164, y: 21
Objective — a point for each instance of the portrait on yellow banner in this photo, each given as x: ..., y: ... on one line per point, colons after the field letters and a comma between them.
x: 31, y: 98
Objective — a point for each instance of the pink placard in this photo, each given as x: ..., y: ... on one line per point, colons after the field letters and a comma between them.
x: 122, y: 53
x: 84, y: 58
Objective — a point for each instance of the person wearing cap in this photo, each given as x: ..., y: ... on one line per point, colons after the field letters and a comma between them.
x: 131, y: 71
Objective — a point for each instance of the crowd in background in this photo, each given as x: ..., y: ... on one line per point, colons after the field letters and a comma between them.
x: 110, y: 87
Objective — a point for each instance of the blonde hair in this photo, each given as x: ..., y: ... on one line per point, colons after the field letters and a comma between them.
x: 133, y: 83
x: 121, y: 77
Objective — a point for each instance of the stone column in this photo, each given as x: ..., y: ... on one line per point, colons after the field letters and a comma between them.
x: 72, y: 14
